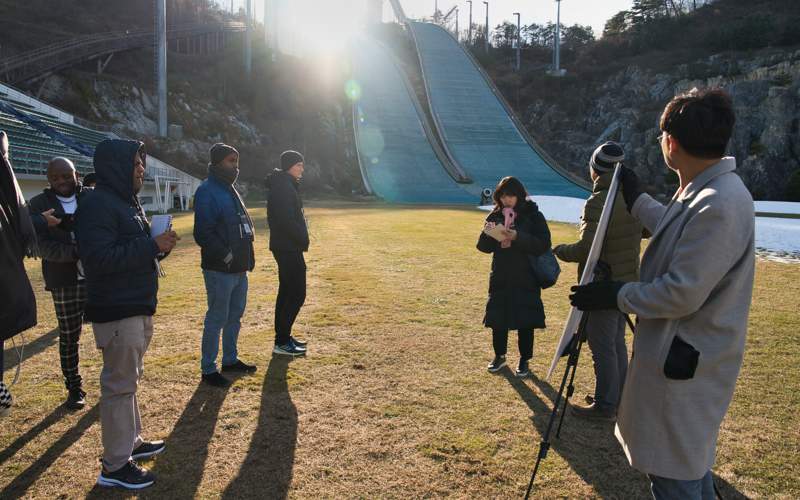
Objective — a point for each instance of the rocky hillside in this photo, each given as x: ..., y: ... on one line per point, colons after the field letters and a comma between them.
x: 282, y: 108
x: 626, y: 107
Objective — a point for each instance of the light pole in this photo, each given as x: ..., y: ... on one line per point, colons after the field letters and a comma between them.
x: 557, y: 41
x: 248, y: 40
x: 161, y: 58
x: 519, y: 42
x: 469, y: 36
x: 487, y: 25
x: 458, y: 37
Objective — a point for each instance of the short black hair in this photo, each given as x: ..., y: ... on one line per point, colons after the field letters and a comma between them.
x: 510, y: 186
x: 701, y: 120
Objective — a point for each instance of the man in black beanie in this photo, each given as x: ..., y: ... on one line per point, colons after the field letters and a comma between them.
x: 606, y: 328
x: 225, y: 233
x: 288, y: 239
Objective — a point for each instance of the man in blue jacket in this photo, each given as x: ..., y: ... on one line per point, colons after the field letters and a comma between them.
x: 120, y: 261
x: 225, y: 233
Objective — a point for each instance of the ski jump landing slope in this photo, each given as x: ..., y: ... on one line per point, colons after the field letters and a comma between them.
x: 399, y: 159
x: 475, y: 124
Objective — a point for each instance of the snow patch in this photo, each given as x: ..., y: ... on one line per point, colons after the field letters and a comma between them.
x: 776, y: 239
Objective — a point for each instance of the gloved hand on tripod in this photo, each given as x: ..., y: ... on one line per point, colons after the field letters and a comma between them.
x: 595, y: 296
x: 630, y: 187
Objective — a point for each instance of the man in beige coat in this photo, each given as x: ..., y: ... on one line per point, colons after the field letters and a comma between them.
x: 692, y: 301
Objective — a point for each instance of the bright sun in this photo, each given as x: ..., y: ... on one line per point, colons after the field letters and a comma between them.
x: 320, y: 27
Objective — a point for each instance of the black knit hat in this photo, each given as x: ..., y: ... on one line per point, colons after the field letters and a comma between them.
x: 605, y: 157
x: 219, y: 152
x: 289, y: 159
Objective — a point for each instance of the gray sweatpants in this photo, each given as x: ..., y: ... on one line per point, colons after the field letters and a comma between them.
x: 606, y: 336
x: 123, y: 344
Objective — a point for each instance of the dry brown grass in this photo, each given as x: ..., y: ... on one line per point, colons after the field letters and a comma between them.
x: 393, y: 400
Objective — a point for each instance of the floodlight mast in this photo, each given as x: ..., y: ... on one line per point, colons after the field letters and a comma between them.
x: 519, y: 41
x: 161, y: 65
x: 487, y: 25
x: 557, y: 40
x: 469, y: 35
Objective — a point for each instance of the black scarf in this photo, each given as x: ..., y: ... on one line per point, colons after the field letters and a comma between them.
x: 224, y: 175
x: 228, y: 177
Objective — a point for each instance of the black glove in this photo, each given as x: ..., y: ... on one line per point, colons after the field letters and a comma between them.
x: 597, y: 295
x: 630, y: 187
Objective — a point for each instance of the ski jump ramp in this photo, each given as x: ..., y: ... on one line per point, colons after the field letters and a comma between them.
x: 473, y: 141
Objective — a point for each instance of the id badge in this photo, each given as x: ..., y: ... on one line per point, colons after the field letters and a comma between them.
x: 244, y: 227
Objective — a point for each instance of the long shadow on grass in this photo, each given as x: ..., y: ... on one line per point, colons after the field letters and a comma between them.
x: 267, y: 469
x: 727, y: 490
x: 22, y: 482
x: 179, y: 469
x: 590, y: 448
x: 54, y: 416
x: 32, y: 348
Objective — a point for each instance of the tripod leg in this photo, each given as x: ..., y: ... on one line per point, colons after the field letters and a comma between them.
x: 544, y: 445
x: 570, y: 388
x: 580, y: 337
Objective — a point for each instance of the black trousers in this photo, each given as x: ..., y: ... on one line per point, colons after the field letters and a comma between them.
x: 524, y: 342
x: 291, y: 292
x: 2, y: 356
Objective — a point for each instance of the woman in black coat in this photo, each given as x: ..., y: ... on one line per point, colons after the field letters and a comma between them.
x: 515, y: 301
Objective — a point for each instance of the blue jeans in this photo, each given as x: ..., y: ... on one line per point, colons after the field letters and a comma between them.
x: 675, y: 489
x: 606, y: 336
x: 227, y: 299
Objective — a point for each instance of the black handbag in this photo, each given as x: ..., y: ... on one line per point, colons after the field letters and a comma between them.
x: 545, y: 268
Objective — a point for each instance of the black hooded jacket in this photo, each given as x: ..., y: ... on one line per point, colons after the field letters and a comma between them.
x: 58, y: 249
x: 287, y: 224
x: 17, y: 301
x: 114, y: 243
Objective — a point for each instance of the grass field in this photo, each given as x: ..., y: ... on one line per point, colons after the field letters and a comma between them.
x: 393, y: 400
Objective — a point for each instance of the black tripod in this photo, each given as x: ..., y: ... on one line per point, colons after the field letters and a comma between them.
x: 601, y: 272
x: 574, y: 350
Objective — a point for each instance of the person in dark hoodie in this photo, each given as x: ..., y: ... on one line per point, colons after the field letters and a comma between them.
x: 288, y: 239
x: 225, y: 233
x: 515, y: 301
x: 60, y: 268
x: 17, y: 240
x: 120, y: 261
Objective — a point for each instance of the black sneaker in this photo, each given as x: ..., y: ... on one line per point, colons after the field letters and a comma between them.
x: 299, y: 343
x: 76, y: 399
x: 239, y: 367
x: 130, y: 476
x: 216, y: 380
x: 523, y: 370
x: 289, y: 349
x: 497, y: 364
x: 148, y: 449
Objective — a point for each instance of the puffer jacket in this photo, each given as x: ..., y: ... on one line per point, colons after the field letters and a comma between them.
x: 623, y: 241
x: 514, y: 293
x: 218, y: 220
x: 114, y: 242
x: 287, y: 223
x: 17, y: 301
